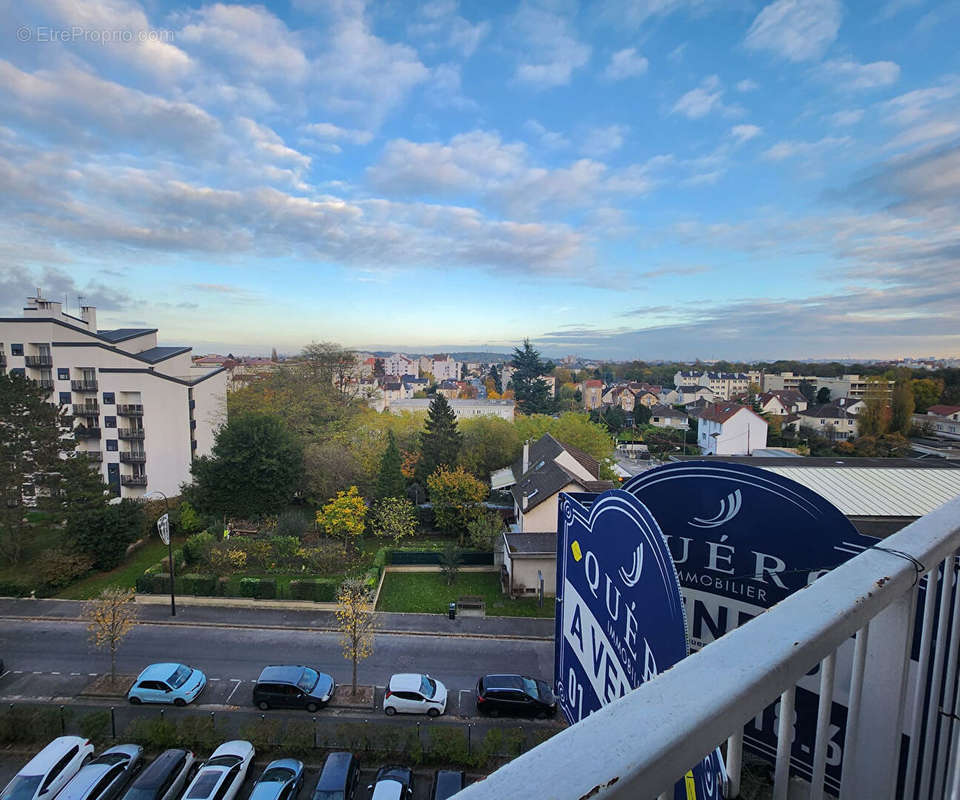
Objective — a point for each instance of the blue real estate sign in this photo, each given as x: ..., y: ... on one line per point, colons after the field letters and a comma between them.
x: 620, y: 617
x: 742, y: 539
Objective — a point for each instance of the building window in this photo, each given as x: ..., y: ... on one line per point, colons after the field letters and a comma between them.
x: 112, y: 446
x: 16, y: 349
x: 63, y: 374
x: 109, y: 422
x: 64, y: 398
x: 109, y: 399
x: 18, y: 371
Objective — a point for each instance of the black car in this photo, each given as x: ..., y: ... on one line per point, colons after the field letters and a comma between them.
x: 515, y: 696
x: 446, y: 783
x: 292, y: 687
x: 339, y: 778
x: 164, y: 779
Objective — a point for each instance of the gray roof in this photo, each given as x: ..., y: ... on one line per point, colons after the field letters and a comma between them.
x: 122, y: 334
x: 155, y: 354
x: 827, y: 410
x: 660, y: 410
x: 532, y: 543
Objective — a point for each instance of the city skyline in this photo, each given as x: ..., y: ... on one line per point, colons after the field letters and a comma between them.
x: 656, y: 179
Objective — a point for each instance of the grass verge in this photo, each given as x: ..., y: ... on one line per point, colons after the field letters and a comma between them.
x: 123, y: 577
x: 428, y: 592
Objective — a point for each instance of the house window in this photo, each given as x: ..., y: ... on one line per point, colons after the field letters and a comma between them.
x: 109, y: 422
x: 16, y: 349
x: 112, y: 446
x: 64, y: 398
x: 63, y: 374
x: 109, y: 398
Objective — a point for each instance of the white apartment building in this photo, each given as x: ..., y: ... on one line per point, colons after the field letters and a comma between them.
x: 463, y: 409
x: 723, y: 384
x: 730, y: 429
x: 444, y: 369
x: 398, y: 364
x: 143, y: 412
x: 850, y: 385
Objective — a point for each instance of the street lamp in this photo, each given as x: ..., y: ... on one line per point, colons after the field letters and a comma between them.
x: 163, y: 528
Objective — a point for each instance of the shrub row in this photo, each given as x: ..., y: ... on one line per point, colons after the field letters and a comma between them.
x: 320, y: 590
x: 205, y: 585
x: 260, y: 588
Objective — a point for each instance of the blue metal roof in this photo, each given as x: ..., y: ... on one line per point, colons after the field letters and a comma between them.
x: 155, y: 354
x: 121, y: 334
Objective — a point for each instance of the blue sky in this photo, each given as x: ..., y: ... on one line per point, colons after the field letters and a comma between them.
x: 645, y: 179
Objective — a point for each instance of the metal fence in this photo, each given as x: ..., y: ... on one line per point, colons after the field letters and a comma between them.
x: 902, y: 726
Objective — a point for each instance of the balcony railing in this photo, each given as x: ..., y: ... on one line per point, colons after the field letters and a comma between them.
x: 83, y: 386
x: 641, y: 744
x: 133, y: 480
x: 130, y: 410
x: 38, y: 361
x: 45, y: 383
x: 3, y: 360
x: 130, y: 433
x: 86, y: 410
x: 87, y: 433
x: 137, y: 457
x: 92, y: 455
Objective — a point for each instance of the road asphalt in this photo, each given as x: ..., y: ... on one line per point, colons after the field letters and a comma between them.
x: 294, y: 619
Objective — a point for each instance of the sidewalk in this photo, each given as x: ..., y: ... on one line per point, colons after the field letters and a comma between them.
x: 253, y: 615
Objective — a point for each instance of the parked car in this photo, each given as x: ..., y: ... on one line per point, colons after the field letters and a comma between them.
x: 413, y: 693
x: 222, y: 775
x: 281, y: 780
x: 515, y: 696
x: 105, y: 776
x: 292, y: 687
x: 339, y: 778
x: 164, y: 779
x: 167, y: 683
x: 392, y: 783
x: 49, y: 770
x: 446, y: 783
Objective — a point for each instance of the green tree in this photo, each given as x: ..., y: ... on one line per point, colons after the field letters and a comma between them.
x: 390, y: 481
x: 440, y: 442
x: 344, y: 515
x: 104, y: 534
x: 531, y: 393
x: 926, y: 393
x: 823, y: 395
x: 874, y: 417
x: 574, y: 429
x: 394, y: 518
x: 497, y: 378
x: 457, y: 499
x: 809, y: 391
x: 450, y: 560
x: 254, y: 469
x: 332, y: 365
x: 901, y: 412
x: 33, y: 434
x: 485, y: 529
x: 489, y: 443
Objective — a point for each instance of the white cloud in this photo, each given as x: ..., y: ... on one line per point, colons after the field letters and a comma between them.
x: 439, y: 23
x: 699, y: 102
x: 551, y: 50
x: 791, y: 148
x: 744, y: 133
x: 798, y: 30
x: 747, y: 85
x: 852, y: 76
x: 626, y: 64
x: 603, y: 140
x: 327, y: 131
x: 552, y: 140
x: 846, y: 117
x: 633, y: 14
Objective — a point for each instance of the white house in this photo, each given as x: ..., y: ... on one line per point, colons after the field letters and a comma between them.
x: 141, y: 411
x: 666, y: 417
x: 730, y: 429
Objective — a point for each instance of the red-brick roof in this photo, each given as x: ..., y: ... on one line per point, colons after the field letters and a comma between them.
x: 721, y: 412
x: 943, y: 411
x: 594, y: 383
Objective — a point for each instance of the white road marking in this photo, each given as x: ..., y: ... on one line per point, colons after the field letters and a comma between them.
x: 238, y: 682
x: 213, y: 679
x: 18, y: 672
x: 37, y: 673
x: 92, y: 674
x: 54, y: 673
x: 74, y: 673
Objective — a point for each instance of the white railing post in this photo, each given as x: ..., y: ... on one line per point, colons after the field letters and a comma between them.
x: 876, y: 749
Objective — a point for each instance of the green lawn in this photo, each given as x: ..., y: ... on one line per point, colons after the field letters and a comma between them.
x: 428, y: 592
x: 124, y: 576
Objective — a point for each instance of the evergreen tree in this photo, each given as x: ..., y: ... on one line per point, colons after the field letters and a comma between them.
x: 390, y: 481
x: 531, y: 393
x: 440, y: 442
x: 497, y: 379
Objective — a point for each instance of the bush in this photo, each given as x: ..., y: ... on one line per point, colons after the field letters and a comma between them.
x: 95, y: 726
x: 28, y: 725
x: 292, y: 524
x: 197, y: 548
x: 198, y: 733
x: 285, y: 550
x: 298, y: 738
x: 320, y: 590
x: 200, y: 585
x: 60, y: 567
x: 189, y: 521
x: 178, y: 561
x: 263, y: 734
x: 448, y: 746
x: 155, y: 583
x: 259, y: 588
x: 153, y: 733
x: 14, y: 589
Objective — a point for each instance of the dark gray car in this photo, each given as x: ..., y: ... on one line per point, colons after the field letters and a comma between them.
x: 164, y: 779
x: 105, y: 776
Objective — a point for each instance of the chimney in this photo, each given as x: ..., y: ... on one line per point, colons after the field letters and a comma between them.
x: 526, y: 457
x: 89, y: 315
x: 526, y: 503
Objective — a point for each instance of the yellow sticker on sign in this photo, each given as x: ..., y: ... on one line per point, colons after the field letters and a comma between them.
x: 691, y: 785
x: 575, y: 547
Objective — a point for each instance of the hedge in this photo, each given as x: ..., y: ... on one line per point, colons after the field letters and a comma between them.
x: 260, y: 588
x: 321, y: 590
x: 199, y: 585
x: 154, y: 583
x: 467, y: 558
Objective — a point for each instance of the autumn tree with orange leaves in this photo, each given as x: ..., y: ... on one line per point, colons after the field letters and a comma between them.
x: 110, y: 617
x: 356, y: 623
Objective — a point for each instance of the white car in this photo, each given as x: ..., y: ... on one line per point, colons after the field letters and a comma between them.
x: 222, y: 774
x: 49, y: 770
x: 413, y: 693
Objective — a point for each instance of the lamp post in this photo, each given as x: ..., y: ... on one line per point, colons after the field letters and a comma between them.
x: 163, y: 528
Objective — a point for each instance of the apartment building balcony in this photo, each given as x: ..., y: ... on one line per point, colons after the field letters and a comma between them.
x: 92, y: 455
x: 902, y: 722
x: 87, y: 433
x: 133, y: 480
x: 130, y: 410
x: 86, y: 409
x: 133, y: 457
x: 130, y: 433
x: 3, y: 360
x: 45, y: 383
x: 38, y: 361
x: 84, y: 386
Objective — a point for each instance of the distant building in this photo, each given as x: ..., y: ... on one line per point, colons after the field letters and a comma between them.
x: 463, y: 409
x: 942, y: 421
x: 723, y: 384
x: 592, y: 393
x: 399, y: 364
x: 730, y: 429
x: 830, y: 420
x: 444, y: 368
x: 666, y: 417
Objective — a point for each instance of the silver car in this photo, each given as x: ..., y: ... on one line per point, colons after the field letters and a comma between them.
x: 49, y: 770
x: 104, y: 777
